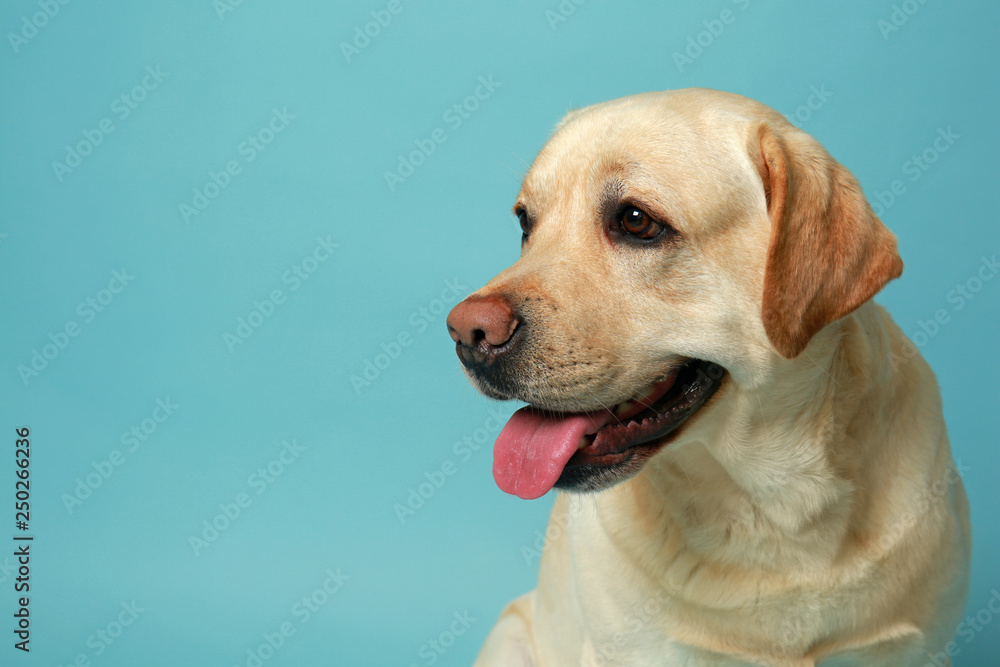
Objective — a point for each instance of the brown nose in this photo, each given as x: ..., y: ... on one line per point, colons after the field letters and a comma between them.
x: 480, y: 324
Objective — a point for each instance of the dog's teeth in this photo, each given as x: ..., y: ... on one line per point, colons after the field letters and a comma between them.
x: 635, y: 405
x: 583, y: 443
x: 645, y: 397
x: 623, y: 408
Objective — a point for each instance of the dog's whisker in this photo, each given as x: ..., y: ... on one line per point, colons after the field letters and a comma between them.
x: 806, y: 355
x: 526, y: 164
x: 514, y: 176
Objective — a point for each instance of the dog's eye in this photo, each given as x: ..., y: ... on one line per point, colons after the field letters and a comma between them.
x: 637, y: 223
x: 522, y: 218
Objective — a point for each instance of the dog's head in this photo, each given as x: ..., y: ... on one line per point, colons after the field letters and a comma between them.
x: 673, y: 243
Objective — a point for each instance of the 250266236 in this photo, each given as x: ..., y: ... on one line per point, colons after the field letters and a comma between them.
x: 22, y: 515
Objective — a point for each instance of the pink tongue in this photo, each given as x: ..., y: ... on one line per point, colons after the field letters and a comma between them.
x: 533, y: 449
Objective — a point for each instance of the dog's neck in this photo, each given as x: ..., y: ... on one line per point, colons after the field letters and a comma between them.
x: 768, y: 478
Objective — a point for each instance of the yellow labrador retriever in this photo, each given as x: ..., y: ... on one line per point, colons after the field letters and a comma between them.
x: 769, y: 476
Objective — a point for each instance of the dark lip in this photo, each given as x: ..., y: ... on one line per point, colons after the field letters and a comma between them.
x: 620, y: 449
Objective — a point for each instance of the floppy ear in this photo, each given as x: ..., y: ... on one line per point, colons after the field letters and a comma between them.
x: 828, y: 252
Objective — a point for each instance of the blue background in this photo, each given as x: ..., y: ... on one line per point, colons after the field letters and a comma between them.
x: 365, y: 447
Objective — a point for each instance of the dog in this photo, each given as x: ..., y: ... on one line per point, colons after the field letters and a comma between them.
x: 751, y: 456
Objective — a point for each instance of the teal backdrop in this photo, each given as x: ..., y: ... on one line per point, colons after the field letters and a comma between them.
x: 230, y: 232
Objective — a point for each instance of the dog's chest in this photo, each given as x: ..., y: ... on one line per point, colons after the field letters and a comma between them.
x: 626, y: 619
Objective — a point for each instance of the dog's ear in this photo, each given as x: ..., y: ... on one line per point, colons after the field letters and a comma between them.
x: 828, y: 252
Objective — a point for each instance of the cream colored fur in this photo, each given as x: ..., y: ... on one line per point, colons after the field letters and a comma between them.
x: 810, y: 513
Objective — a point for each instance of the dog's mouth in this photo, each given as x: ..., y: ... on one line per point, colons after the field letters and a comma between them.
x: 538, y: 450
